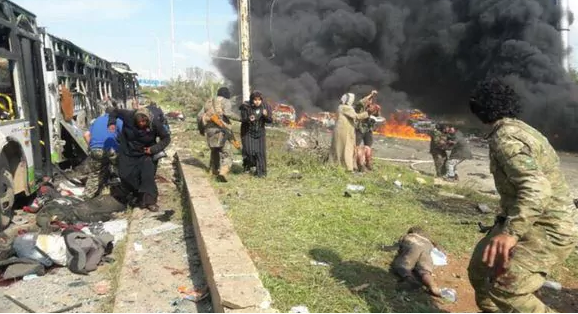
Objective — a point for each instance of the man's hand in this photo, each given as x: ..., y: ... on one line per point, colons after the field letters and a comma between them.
x: 265, y: 112
x: 112, y: 128
x: 252, y: 118
x: 500, y: 246
x: 147, y: 150
x: 373, y: 92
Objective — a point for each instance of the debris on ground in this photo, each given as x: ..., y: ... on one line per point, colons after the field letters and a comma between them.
x: 355, y: 188
x: 484, y: 209
x: 296, y: 175
x: 317, y: 263
x: 451, y: 195
x: 449, y: 294
x: 552, y: 285
x: 420, y: 180
x: 398, y: 184
x: 299, y: 309
x: 438, y: 257
x: 196, y: 294
x: 102, y: 287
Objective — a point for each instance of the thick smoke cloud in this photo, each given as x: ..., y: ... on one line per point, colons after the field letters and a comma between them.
x: 421, y: 53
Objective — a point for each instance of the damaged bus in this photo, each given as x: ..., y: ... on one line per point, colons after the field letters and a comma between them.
x: 50, y: 90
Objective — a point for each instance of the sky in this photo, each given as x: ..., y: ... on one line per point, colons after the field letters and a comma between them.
x: 126, y: 30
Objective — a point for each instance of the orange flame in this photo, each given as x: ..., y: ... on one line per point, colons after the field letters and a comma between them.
x: 397, y: 126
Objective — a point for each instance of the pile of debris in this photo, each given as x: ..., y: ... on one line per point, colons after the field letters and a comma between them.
x: 63, y: 230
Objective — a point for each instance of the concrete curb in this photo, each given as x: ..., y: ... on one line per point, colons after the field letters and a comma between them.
x: 230, y: 273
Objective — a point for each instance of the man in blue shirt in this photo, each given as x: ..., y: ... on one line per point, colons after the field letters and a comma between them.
x: 103, y: 146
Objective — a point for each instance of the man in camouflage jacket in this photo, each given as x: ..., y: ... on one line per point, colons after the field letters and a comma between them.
x: 437, y: 148
x: 217, y: 139
x: 536, y: 228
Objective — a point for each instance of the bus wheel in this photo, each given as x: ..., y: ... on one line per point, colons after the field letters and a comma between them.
x: 6, y: 194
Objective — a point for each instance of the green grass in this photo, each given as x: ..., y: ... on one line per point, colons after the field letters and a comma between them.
x: 285, y: 223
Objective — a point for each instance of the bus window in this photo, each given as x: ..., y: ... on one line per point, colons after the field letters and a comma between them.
x: 8, y: 109
x: 5, y: 38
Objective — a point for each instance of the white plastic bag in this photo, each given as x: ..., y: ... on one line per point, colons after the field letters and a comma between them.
x: 53, y: 246
x: 438, y: 257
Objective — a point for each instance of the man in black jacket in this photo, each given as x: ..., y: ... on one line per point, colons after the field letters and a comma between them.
x: 138, y: 145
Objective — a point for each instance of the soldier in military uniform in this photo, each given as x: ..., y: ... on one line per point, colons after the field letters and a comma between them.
x: 364, y: 131
x: 216, y: 116
x: 535, y: 229
x: 437, y: 148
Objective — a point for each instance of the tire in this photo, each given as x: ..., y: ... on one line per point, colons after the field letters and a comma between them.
x: 6, y: 191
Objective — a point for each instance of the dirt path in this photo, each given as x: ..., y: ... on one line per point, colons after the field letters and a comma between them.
x: 147, y: 272
x: 474, y: 173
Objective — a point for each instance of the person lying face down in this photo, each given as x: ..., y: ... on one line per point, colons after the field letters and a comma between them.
x: 413, y: 263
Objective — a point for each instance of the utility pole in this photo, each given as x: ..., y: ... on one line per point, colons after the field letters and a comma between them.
x: 245, y: 46
x: 173, y: 38
x: 158, y: 56
x: 564, y: 29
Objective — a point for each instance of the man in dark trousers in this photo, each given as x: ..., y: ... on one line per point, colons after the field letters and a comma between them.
x: 254, y: 116
x: 138, y: 144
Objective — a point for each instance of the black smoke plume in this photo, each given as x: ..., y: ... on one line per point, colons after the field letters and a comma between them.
x: 427, y: 54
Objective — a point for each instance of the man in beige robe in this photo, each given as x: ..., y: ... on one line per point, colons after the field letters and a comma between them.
x: 343, y: 141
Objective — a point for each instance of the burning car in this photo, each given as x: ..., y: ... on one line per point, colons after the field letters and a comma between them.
x: 283, y: 114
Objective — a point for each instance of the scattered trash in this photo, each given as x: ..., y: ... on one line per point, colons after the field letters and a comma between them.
x: 168, y: 226
x: 68, y: 188
x: 398, y: 184
x: 196, y: 294
x: 20, y: 304
x: 438, y: 257
x: 317, y: 263
x: 385, y: 178
x: 451, y: 195
x: 137, y: 247
x: 449, y: 294
x: 102, y: 287
x: 552, y: 285
x: 78, y: 283
x: 296, y: 175
x: 30, y: 277
x: 484, y: 209
x: 420, y: 180
x: 347, y: 194
x: 175, y: 271
x: 360, y: 288
x: 25, y: 247
x: 299, y: 309
x: 357, y: 309
x: 355, y: 188
x: 299, y: 194
x: 54, y: 246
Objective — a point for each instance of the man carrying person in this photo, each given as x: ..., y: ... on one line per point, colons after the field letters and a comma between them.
x: 103, y: 146
x: 364, y: 131
x: 460, y: 151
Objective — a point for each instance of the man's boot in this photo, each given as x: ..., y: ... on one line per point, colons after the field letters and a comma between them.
x: 368, y: 159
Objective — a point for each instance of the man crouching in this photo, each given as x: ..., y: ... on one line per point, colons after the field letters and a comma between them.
x: 414, y: 259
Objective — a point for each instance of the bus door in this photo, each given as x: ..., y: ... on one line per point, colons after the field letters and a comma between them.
x: 35, y: 97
